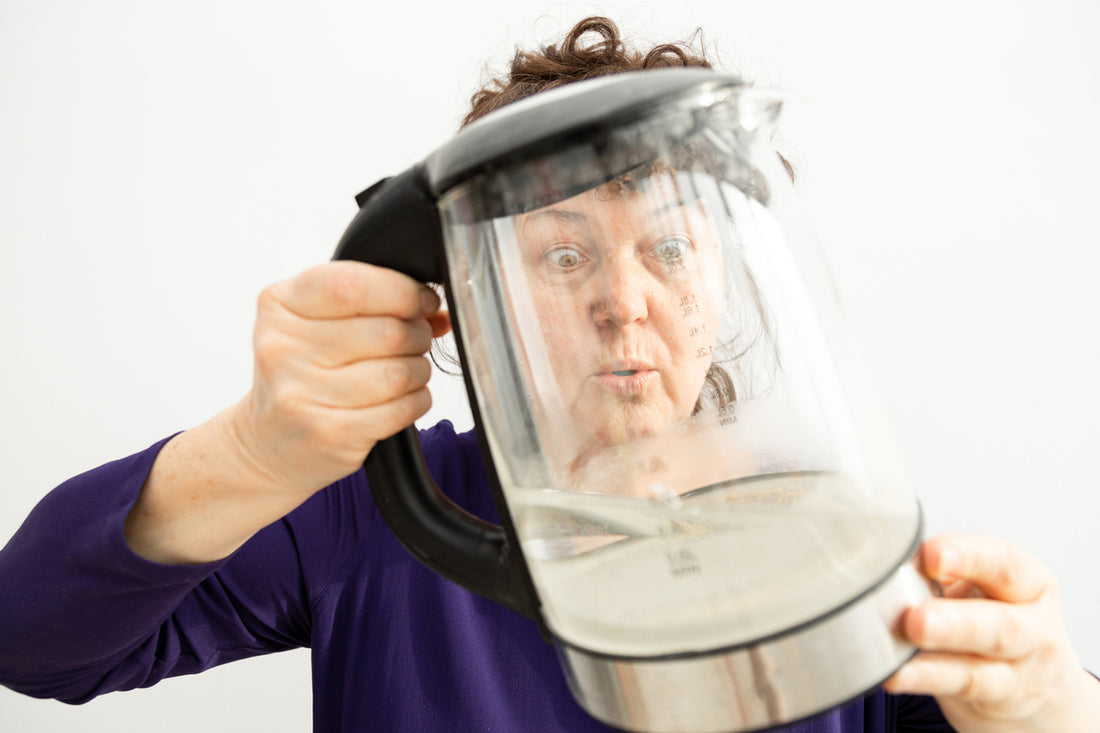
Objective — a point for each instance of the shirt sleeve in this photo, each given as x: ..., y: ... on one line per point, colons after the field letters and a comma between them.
x: 81, y: 614
x: 921, y: 714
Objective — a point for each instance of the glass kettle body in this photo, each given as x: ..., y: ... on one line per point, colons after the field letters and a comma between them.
x: 699, y: 504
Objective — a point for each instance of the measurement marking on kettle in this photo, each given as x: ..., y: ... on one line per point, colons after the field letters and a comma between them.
x: 683, y: 561
x: 674, y: 261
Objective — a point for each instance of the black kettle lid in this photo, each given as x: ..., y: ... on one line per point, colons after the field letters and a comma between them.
x: 550, y: 120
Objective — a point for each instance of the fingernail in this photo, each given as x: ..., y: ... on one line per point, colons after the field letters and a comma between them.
x: 935, y: 627
x: 429, y: 301
x: 949, y: 561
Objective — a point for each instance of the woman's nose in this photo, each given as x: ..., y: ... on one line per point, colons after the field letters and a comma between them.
x: 622, y: 296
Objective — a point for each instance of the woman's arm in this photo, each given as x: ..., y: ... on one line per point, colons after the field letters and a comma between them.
x: 116, y: 578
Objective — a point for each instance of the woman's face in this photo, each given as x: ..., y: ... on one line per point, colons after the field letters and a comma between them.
x: 627, y: 286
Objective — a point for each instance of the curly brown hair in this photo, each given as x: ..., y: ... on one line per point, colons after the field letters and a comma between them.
x: 592, y: 48
x: 578, y: 57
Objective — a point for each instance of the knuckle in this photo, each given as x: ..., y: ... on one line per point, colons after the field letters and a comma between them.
x: 971, y: 689
x: 287, y: 403
x: 270, y: 306
x: 997, y: 683
x: 343, y: 286
x: 1046, y: 661
x: 1012, y: 568
x: 405, y: 375
x: 267, y: 299
x: 1008, y: 635
x: 393, y: 335
x: 396, y: 377
x: 270, y: 352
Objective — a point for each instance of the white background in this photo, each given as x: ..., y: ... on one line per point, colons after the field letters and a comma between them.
x: 161, y: 162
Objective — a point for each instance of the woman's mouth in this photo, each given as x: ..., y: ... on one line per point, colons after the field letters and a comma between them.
x: 625, y: 381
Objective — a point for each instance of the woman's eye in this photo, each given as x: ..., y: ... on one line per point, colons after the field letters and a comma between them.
x: 564, y: 258
x: 672, y: 249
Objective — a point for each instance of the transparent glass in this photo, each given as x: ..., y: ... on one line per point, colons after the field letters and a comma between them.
x: 688, y: 446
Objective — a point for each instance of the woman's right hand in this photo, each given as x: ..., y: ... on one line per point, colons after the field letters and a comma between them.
x: 339, y: 365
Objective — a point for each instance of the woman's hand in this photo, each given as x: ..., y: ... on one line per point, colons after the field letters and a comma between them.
x: 339, y: 365
x: 994, y: 651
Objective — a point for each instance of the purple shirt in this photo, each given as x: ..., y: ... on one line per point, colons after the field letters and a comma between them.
x: 394, y: 646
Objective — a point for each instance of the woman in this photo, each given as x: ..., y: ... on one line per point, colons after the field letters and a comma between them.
x: 255, y: 532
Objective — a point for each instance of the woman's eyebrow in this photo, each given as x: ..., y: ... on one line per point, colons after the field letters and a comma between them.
x: 670, y: 206
x: 575, y: 217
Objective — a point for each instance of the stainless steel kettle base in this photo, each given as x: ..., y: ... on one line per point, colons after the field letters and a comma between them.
x: 786, y: 678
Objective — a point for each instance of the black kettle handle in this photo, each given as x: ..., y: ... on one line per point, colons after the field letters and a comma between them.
x: 398, y: 227
x: 454, y: 543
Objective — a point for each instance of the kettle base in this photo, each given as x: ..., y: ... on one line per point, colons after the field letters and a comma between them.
x: 795, y: 675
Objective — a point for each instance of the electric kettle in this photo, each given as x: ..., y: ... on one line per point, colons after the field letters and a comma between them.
x: 699, y: 503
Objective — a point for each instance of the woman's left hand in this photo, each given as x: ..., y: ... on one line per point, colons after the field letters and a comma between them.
x: 994, y: 651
